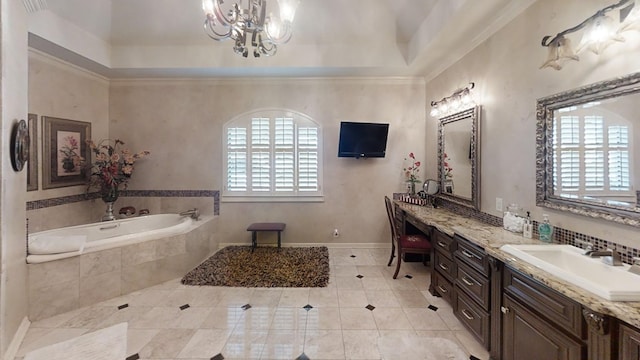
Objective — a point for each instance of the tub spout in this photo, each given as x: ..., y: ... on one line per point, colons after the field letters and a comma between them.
x: 193, y: 213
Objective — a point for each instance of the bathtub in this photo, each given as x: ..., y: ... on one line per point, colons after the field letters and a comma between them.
x: 75, y: 240
x: 116, y: 258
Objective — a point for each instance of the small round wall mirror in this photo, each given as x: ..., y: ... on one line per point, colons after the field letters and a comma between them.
x: 19, y: 145
x: 430, y: 186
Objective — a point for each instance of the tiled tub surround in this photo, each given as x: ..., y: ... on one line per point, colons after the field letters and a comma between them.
x: 63, y: 285
x: 491, y: 238
x: 84, y: 208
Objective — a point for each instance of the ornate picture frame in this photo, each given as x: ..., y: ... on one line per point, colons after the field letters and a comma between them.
x: 64, y: 145
x: 32, y: 164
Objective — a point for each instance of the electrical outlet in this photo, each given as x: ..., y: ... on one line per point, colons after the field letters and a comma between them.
x: 336, y: 233
x: 499, y: 204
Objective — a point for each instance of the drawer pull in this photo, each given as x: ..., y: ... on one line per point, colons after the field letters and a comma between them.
x: 504, y: 310
x: 443, y: 266
x: 467, y: 315
x: 470, y: 255
x: 444, y: 291
x: 467, y: 282
x: 442, y: 244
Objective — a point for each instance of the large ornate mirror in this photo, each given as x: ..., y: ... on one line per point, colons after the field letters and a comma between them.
x: 459, y: 157
x: 587, y: 141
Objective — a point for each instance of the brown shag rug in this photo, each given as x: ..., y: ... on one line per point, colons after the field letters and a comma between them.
x: 265, y: 267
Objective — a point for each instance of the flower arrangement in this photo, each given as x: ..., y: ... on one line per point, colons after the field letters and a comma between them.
x: 446, y: 167
x: 411, y: 171
x: 70, y: 158
x: 112, y: 167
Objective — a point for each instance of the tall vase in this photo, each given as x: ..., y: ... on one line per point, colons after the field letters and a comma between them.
x: 109, y: 196
x: 413, y: 188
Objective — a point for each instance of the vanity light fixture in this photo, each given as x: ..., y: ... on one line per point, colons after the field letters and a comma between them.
x: 461, y: 99
x: 600, y: 31
x: 232, y: 21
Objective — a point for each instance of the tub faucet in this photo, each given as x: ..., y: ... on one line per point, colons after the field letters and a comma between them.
x: 193, y: 213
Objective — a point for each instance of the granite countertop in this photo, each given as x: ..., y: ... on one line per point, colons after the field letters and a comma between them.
x: 491, y: 238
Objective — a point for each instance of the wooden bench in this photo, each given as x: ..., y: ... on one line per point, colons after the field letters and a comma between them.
x: 255, y: 227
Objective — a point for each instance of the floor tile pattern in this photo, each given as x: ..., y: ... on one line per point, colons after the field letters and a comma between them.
x: 345, y: 320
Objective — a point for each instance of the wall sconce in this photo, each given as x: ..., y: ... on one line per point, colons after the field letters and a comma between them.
x: 600, y: 31
x: 461, y: 99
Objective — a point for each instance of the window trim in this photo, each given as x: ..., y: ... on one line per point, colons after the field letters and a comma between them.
x: 272, y: 196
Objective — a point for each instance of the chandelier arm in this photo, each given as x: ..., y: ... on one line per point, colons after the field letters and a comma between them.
x: 218, y: 13
x: 600, y: 12
x: 209, y: 29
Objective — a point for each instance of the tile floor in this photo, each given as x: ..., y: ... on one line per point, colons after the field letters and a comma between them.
x: 342, y: 321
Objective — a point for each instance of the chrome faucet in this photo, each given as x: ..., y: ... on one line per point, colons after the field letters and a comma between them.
x: 193, y: 213
x: 609, y: 256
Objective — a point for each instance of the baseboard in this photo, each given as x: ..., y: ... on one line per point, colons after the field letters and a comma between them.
x: 330, y: 245
x: 12, y: 350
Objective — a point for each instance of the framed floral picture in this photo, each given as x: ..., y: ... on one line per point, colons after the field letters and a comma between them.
x: 32, y: 163
x: 64, y: 151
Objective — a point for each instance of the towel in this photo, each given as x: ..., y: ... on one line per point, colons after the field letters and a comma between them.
x: 43, y: 245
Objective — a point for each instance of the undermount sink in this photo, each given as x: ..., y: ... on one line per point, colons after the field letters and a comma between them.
x: 569, y: 263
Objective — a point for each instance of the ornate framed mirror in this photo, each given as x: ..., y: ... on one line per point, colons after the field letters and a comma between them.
x: 586, y: 157
x: 459, y: 157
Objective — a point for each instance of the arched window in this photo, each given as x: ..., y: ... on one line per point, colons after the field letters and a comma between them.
x: 273, y: 155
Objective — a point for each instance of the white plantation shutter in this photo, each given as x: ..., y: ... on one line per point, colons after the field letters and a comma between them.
x: 308, y: 162
x: 260, y: 155
x: 273, y: 154
x: 594, y: 170
x: 236, y: 159
x: 619, y: 172
x: 592, y: 156
x: 569, y: 160
x: 284, y: 154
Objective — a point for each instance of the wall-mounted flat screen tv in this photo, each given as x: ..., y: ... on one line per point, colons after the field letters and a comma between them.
x: 362, y: 140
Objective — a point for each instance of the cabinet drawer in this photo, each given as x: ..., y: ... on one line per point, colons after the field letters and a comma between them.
x: 444, y: 244
x: 443, y: 287
x: 555, y: 307
x: 444, y: 266
x: 472, y: 255
x: 474, y: 284
x: 473, y: 317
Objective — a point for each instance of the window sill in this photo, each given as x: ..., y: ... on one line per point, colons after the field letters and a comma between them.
x: 272, y: 199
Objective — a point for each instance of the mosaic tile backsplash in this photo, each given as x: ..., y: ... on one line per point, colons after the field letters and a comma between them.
x: 560, y: 235
x: 64, y: 200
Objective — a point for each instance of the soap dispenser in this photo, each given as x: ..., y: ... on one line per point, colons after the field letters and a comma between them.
x: 545, y: 229
x: 527, y: 229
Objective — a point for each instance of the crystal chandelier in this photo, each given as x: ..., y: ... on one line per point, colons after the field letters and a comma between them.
x: 247, y: 20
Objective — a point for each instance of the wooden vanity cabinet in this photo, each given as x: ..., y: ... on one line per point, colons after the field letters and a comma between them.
x: 443, y: 266
x: 538, y: 322
x: 629, y: 343
x: 472, y: 287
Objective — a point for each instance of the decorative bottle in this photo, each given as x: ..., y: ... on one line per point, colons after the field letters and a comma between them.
x: 527, y: 230
x: 545, y: 229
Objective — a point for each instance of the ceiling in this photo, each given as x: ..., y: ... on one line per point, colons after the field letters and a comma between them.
x: 164, y: 38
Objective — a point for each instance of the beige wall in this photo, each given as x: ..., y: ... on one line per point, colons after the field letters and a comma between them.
x: 508, y: 82
x: 13, y: 270
x: 60, y: 90
x: 181, y: 121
